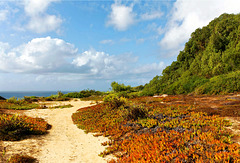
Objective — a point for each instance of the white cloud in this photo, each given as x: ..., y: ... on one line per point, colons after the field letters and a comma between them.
x: 107, y: 42
x: 40, y: 21
x: 125, y: 39
x: 100, y: 65
x: 151, y: 16
x: 56, y: 59
x: 156, y: 68
x: 4, y: 47
x: 39, y: 55
x: 141, y: 40
x: 33, y: 7
x: 3, y: 15
x: 121, y: 16
x: 189, y: 15
x: 104, y: 65
x: 55, y: 56
x: 44, y: 24
x: 160, y: 30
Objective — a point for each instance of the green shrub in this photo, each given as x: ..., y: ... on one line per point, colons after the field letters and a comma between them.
x: 21, y: 159
x: 185, y: 84
x: 61, y: 106
x: 15, y: 127
x: 83, y: 94
x: 221, y: 84
x: 31, y: 98
x: 137, y: 112
x: 14, y: 100
x: 134, y: 95
x: 124, y: 94
x: 113, y: 101
x: 116, y: 87
x: 17, y: 104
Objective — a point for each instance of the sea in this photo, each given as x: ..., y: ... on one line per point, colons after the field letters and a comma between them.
x: 19, y: 94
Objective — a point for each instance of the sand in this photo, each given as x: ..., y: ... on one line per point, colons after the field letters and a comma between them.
x: 65, y: 143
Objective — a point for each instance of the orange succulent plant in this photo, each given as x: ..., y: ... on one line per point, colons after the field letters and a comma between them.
x: 176, y: 133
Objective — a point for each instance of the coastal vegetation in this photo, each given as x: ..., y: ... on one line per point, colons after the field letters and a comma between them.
x: 60, y: 106
x: 18, y: 104
x: 209, y: 63
x: 149, y: 129
x: 15, y: 127
x: 177, y: 127
x: 83, y: 94
x: 21, y: 159
x: 187, y: 125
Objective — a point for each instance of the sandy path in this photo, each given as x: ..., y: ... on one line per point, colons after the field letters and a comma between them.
x: 65, y: 143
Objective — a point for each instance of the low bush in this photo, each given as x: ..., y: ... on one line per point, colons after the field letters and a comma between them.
x: 83, y: 94
x: 221, y: 84
x: 61, y: 106
x: 21, y: 159
x: 15, y: 127
x: 18, y: 105
x: 55, y: 98
x: 137, y: 112
x: 32, y: 98
x: 113, y: 101
x: 134, y: 95
x: 14, y: 100
x: 93, y: 98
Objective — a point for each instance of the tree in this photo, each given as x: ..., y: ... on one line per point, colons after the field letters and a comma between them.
x: 211, y: 54
x: 116, y: 87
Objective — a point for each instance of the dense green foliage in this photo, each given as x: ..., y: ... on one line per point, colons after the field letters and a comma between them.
x: 122, y: 90
x: 209, y: 63
x: 114, y: 101
x: 58, y: 97
x: 116, y: 87
x: 83, y: 94
x: 18, y: 104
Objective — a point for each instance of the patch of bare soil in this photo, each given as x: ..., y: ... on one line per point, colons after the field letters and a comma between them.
x: 64, y: 143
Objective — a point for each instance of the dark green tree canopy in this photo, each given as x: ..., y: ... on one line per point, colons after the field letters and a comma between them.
x: 211, y: 56
x: 116, y: 87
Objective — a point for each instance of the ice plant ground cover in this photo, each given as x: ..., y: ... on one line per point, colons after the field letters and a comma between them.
x: 14, y: 127
x: 169, y: 129
x: 18, y: 105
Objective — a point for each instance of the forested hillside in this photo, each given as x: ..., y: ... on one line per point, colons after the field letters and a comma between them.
x: 209, y: 63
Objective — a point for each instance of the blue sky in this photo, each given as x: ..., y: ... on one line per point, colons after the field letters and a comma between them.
x: 70, y: 45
